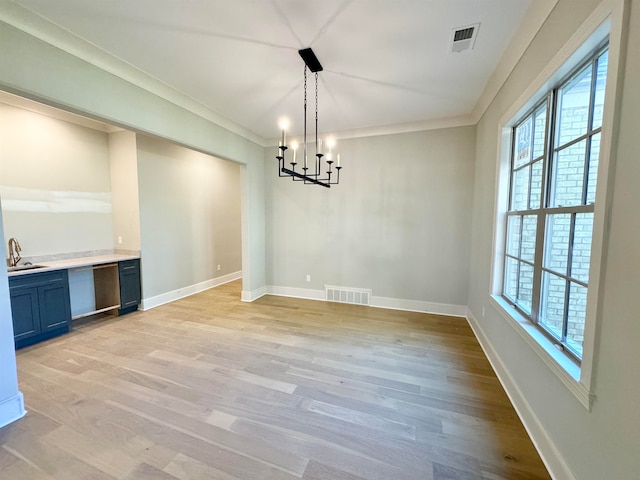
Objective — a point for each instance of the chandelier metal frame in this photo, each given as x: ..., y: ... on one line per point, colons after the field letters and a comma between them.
x: 308, y: 175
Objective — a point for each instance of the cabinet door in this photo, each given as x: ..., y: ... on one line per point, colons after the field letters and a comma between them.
x: 130, y: 294
x: 24, y: 309
x: 55, y: 311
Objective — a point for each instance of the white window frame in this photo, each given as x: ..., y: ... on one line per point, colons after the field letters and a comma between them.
x: 546, y: 208
x: 606, y: 21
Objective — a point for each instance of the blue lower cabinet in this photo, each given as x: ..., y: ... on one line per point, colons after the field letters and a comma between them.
x: 130, y: 291
x: 25, y: 312
x: 40, y: 306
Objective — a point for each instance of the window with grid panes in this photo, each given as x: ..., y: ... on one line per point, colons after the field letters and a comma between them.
x: 554, y: 165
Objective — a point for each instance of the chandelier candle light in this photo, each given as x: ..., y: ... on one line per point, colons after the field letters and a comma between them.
x: 308, y: 175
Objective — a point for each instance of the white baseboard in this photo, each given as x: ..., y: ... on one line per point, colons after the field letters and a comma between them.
x: 419, y: 306
x: 558, y: 469
x: 253, y: 295
x: 378, y: 302
x: 152, y: 302
x: 305, y: 293
x: 12, y: 409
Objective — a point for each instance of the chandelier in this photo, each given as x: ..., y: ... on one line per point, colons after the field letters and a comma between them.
x: 312, y: 171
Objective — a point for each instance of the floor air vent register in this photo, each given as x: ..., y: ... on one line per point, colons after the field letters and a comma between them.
x: 355, y: 296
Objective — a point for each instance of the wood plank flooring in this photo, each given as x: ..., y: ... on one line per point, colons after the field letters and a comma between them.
x: 209, y: 387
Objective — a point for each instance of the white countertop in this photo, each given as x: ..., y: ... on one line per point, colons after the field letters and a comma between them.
x: 74, y: 263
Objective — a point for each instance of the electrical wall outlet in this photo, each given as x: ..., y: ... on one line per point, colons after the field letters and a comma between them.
x: 120, y: 239
x: 308, y: 278
x: 218, y: 267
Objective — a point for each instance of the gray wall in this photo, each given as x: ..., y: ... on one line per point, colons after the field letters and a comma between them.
x: 189, y: 216
x: 602, y: 443
x: 398, y: 222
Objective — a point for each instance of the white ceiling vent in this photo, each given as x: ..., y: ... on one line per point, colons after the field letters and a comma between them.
x: 464, y: 38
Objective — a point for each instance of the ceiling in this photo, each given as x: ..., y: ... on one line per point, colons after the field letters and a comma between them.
x: 386, y: 62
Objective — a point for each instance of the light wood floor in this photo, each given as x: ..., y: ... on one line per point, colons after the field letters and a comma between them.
x: 209, y: 387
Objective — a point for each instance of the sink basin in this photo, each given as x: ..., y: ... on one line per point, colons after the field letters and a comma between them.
x: 19, y: 268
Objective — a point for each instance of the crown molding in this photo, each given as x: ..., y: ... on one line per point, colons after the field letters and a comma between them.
x: 436, y: 124
x: 33, y: 24
x: 538, y: 12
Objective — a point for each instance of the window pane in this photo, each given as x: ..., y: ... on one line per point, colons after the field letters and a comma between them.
x: 536, y: 185
x: 525, y: 287
x: 554, y: 173
x: 594, y: 157
x: 581, y: 254
x: 556, y: 246
x: 576, y: 317
x: 601, y: 80
x: 573, y: 108
x: 513, y: 235
x: 553, y: 298
x: 523, y: 143
x: 540, y: 124
x: 511, y: 278
x: 568, y: 176
x: 520, y: 193
x: 528, y: 250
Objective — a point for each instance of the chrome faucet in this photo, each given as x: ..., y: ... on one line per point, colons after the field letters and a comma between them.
x: 14, y: 252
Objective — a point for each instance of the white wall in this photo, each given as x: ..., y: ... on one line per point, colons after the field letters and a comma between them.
x: 398, y: 222
x: 11, y: 402
x: 602, y: 443
x: 123, y: 167
x: 189, y: 216
x: 253, y: 227
x: 54, y: 181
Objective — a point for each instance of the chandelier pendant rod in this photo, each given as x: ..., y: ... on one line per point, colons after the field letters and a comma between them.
x: 317, y: 159
x: 318, y: 152
x: 305, y: 119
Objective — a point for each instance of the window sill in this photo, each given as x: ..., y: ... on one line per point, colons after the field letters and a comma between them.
x: 563, y: 366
